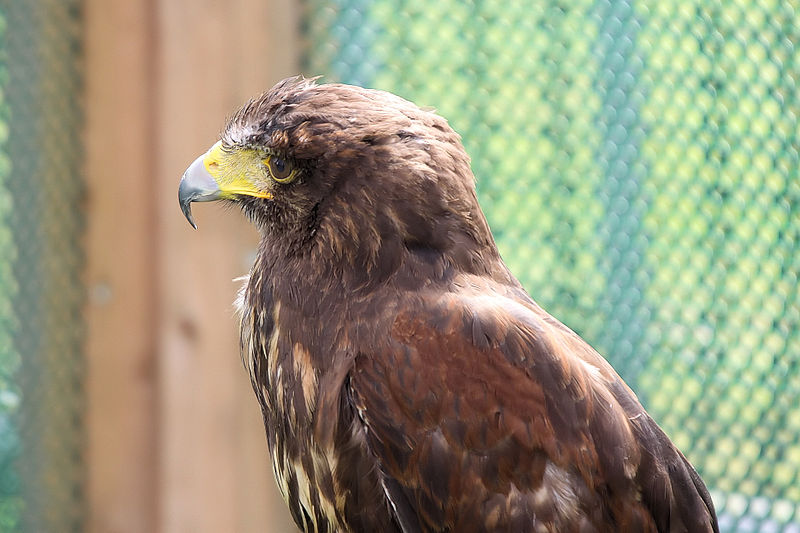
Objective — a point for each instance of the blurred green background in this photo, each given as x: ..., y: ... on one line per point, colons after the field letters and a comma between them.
x: 41, y: 291
x: 10, y: 497
x: 638, y: 162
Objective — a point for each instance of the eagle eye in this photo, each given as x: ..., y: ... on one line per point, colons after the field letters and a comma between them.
x: 280, y: 169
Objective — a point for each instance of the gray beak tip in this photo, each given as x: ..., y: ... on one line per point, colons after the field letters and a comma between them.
x: 185, y: 199
x: 187, y: 212
x: 197, y: 185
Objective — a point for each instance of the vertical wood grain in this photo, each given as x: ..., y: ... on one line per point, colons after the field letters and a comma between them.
x: 212, y: 57
x: 176, y: 440
x: 120, y: 268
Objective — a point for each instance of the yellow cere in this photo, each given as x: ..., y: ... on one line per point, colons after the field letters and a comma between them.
x: 237, y: 172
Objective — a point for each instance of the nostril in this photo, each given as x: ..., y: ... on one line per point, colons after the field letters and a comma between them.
x: 213, y: 165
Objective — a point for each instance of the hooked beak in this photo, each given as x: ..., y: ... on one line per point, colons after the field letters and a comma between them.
x: 222, y: 174
x: 197, y: 185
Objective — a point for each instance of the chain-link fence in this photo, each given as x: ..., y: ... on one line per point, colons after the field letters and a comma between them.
x: 41, y: 401
x: 638, y: 163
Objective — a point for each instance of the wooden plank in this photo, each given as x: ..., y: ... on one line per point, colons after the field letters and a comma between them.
x: 120, y: 349
x: 213, y: 463
x: 175, y: 437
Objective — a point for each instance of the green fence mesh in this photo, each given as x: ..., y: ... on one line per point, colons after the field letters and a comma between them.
x: 41, y: 433
x: 638, y: 163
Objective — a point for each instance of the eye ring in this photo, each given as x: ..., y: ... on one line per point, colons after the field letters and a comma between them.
x: 282, y: 170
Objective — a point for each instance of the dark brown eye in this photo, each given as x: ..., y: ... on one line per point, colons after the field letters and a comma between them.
x: 282, y: 171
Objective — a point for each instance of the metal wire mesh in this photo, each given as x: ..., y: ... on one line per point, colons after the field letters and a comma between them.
x: 41, y: 432
x: 638, y: 163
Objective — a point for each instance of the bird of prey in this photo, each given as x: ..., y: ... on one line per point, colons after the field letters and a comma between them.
x: 407, y: 381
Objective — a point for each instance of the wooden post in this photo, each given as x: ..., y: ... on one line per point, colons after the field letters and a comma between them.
x: 176, y: 441
x: 120, y: 255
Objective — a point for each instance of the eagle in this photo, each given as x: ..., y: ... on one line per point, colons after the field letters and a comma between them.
x: 407, y: 381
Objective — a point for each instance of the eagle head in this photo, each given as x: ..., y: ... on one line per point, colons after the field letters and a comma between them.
x: 345, y: 174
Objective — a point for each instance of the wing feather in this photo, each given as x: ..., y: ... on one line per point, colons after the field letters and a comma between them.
x: 487, y: 414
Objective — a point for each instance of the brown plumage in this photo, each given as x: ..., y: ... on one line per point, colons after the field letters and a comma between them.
x: 407, y: 380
